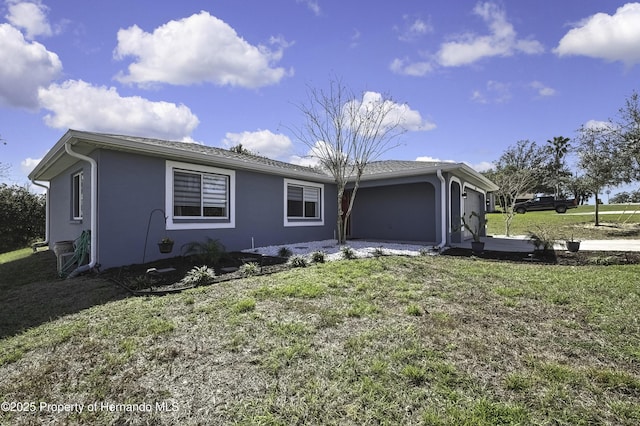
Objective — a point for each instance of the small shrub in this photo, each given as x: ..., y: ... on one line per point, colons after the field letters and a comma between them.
x: 318, y: 257
x: 208, y: 252
x: 141, y: 282
x: 541, y: 239
x: 297, y: 261
x: 249, y: 269
x: 199, y: 275
x: 285, y: 252
x: 347, y: 252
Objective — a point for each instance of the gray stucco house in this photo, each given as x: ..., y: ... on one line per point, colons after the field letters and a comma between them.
x: 121, y: 188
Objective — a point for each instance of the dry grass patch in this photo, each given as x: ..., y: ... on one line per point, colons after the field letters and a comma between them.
x: 425, y: 340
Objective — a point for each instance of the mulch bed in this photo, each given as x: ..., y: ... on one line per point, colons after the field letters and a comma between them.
x: 561, y: 257
x: 163, y: 276
x: 142, y: 280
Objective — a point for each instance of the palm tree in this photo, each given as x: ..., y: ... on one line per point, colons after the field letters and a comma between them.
x: 559, y: 147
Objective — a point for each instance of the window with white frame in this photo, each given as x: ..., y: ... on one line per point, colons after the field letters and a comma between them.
x: 303, y: 203
x: 76, y: 196
x: 199, y: 197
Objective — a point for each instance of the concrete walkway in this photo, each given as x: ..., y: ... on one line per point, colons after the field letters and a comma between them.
x: 522, y: 244
x: 630, y: 212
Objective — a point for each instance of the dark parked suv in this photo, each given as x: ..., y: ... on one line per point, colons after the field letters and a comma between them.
x: 544, y: 203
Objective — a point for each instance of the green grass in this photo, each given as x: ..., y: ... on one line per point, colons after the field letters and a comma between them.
x: 24, y: 266
x: 394, y: 340
x: 578, y: 222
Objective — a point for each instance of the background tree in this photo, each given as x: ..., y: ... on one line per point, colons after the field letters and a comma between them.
x: 239, y: 149
x: 600, y: 159
x: 557, y: 170
x: 345, y: 133
x: 578, y: 188
x: 516, y: 172
x: 626, y: 197
x: 22, y: 217
x: 4, y: 168
x: 609, y: 153
x: 627, y: 132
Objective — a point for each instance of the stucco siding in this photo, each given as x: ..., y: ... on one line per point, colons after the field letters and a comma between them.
x: 405, y: 212
x: 131, y: 187
x: 62, y: 226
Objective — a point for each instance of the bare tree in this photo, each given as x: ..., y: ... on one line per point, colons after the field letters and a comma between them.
x: 346, y: 133
x: 516, y: 173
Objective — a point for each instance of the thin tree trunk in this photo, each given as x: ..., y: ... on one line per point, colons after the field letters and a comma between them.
x: 341, y: 236
x: 352, y: 197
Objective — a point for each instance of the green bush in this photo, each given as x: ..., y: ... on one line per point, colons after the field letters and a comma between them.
x: 284, y: 252
x: 249, y: 269
x: 347, y: 253
x: 22, y: 217
x: 208, y: 252
x: 318, y: 257
x: 297, y: 261
x: 199, y: 275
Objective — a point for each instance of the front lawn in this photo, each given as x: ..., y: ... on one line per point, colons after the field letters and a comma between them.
x: 395, y: 340
x: 578, y: 222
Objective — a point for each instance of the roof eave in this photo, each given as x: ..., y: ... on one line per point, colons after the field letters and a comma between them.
x: 445, y: 167
x: 51, y: 157
x: 97, y: 140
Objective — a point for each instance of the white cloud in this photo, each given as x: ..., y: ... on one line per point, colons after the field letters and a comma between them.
x: 415, y: 69
x: 482, y: 166
x: 30, y: 66
x: 262, y: 142
x: 29, y: 16
x: 494, y: 92
x: 408, y: 118
x: 609, y: 37
x: 355, y: 38
x: 597, y: 125
x: 307, y: 161
x: 468, y: 48
x: 80, y: 105
x: 429, y: 159
x: 413, y: 28
x: 320, y: 149
x: 198, y: 49
x: 312, y: 5
x: 502, y: 40
x: 541, y: 89
x: 28, y: 164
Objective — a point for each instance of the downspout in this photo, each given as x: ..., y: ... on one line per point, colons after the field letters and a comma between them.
x: 94, y: 210
x: 443, y: 210
x: 46, y: 216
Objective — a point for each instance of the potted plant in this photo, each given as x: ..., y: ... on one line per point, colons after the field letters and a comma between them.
x: 475, y: 227
x: 165, y: 245
x: 572, y: 245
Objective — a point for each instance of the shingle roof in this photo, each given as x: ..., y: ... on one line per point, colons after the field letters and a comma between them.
x: 248, y: 159
x: 55, y: 161
x: 373, y: 168
x: 393, y: 166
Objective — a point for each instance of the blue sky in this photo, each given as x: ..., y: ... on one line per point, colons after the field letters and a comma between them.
x: 474, y: 76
